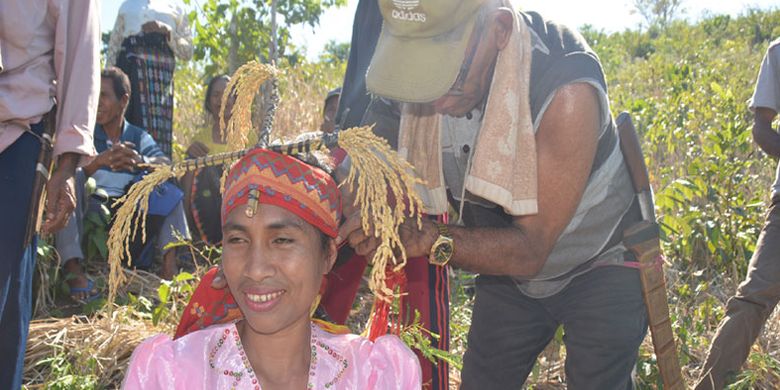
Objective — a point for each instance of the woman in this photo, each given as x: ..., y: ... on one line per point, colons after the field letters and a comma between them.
x: 147, y: 38
x: 210, y: 140
x: 280, y: 217
x: 201, y: 196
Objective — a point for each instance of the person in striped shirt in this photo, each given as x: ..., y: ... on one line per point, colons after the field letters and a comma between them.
x: 122, y: 150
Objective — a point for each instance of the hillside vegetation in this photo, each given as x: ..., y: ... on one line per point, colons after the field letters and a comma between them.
x: 686, y: 86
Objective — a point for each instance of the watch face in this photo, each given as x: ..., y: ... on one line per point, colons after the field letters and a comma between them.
x: 442, y: 252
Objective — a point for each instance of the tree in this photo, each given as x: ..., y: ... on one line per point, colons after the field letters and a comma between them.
x: 229, y: 33
x: 657, y: 12
x: 335, y: 52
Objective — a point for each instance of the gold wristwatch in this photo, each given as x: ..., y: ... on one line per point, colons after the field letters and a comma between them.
x: 443, y: 248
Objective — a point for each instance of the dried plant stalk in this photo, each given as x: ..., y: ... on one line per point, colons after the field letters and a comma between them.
x: 245, y: 84
x: 109, y: 341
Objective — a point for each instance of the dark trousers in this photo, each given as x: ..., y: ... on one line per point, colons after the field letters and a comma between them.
x: 747, y: 311
x: 17, y: 262
x: 604, y: 321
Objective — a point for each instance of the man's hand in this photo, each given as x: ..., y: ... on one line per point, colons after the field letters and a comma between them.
x: 351, y: 232
x: 155, y: 26
x: 197, y: 149
x: 122, y: 157
x: 418, y: 242
x: 61, y: 193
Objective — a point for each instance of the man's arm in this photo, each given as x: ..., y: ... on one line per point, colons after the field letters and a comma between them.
x: 181, y: 38
x: 76, y: 66
x: 765, y: 136
x: 100, y: 161
x: 566, y: 146
x: 61, y: 193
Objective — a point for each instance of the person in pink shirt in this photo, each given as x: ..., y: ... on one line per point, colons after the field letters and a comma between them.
x: 279, y: 223
x: 49, y: 54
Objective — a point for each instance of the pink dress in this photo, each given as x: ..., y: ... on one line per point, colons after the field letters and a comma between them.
x: 213, y: 358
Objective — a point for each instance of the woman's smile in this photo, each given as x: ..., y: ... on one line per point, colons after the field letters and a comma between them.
x: 263, y: 301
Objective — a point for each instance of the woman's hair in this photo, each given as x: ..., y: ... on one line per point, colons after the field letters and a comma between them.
x: 324, y: 239
x: 208, y: 91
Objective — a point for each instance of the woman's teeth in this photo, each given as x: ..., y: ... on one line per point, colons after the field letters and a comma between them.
x: 264, y: 297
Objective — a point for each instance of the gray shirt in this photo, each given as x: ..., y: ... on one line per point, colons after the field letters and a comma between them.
x: 583, y: 244
x: 767, y: 92
x: 592, y: 237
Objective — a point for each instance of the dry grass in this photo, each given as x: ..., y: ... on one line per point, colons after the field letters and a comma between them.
x: 96, y: 347
x: 99, y: 347
x: 302, y: 92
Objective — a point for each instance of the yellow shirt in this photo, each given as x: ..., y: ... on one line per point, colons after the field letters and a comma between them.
x: 204, y: 137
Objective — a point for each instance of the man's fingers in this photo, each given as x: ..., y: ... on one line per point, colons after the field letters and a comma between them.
x: 48, y: 223
x: 352, y: 223
x: 129, y: 154
x: 124, y: 163
x: 367, y: 247
x: 62, y: 214
x: 197, y: 149
x: 59, y: 206
x: 356, y: 238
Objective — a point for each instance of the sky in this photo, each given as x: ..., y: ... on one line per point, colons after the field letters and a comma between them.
x: 608, y: 15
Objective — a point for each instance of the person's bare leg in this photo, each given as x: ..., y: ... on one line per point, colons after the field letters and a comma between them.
x: 76, y: 278
x: 169, y: 268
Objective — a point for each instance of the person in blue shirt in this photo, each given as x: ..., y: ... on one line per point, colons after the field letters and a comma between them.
x: 123, y: 149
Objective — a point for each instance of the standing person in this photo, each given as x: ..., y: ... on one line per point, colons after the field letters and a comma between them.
x: 147, y: 38
x: 427, y: 285
x: 759, y: 293
x: 506, y: 117
x: 49, y: 51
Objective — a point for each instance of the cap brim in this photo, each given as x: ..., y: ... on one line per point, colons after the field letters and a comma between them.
x: 417, y: 70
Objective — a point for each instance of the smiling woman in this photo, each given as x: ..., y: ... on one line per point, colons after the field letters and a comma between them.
x: 280, y: 219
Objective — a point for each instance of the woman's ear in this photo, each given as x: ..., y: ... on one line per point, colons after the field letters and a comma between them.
x: 503, y: 21
x: 332, y: 252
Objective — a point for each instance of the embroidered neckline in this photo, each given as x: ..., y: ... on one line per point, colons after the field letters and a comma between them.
x: 249, y: 373
x: 342, y: 362
x: 235, y: 375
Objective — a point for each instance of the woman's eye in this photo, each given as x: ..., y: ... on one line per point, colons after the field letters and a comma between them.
x: 236, y: 240
x: 283, y: 240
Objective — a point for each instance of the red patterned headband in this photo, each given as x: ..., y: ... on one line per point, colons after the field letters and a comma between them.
x: 264, y: 176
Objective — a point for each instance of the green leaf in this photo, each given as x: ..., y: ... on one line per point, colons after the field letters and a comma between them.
x: 163, y: 291
x: 183, y: 277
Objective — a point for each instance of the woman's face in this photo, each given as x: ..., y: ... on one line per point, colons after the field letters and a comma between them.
x: 215, y: 96
x: 274, y: 263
